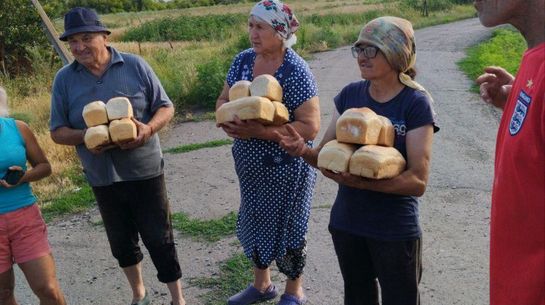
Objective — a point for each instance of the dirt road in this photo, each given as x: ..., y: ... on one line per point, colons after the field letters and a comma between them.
x: 454, y: 210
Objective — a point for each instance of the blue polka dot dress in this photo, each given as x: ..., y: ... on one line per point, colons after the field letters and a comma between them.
x: 276, y: 189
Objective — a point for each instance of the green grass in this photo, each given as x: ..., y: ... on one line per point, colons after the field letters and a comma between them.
x: 197, y: 146
x: 235, y: 274
x: 205, y: 230
x: 504, y: 49
x: 70, y: 201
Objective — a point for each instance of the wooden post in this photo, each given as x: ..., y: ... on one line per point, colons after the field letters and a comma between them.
x: 52, y: 35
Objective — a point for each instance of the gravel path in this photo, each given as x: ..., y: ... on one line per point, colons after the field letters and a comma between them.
x: 454, y: 210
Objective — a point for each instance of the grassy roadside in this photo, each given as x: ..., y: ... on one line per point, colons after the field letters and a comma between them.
x: 504, y: 49
x: 205, y: 230
x: 234, y: 275
x: 191, y: 147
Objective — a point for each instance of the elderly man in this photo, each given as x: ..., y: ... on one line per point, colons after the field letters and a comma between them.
x: 517, y: 238
x: 127, y: 180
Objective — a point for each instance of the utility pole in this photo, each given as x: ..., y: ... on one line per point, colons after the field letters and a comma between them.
x: 52, y: 35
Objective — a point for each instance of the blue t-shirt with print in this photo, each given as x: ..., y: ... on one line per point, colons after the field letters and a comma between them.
x: 374, y: 214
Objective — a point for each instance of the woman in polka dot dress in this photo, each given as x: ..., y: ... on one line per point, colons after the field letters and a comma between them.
x: 276, y: 189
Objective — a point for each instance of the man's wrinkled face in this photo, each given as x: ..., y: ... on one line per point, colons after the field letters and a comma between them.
x: 86, y: 47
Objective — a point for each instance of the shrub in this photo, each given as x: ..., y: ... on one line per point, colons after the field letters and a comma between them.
x: 210, y: 80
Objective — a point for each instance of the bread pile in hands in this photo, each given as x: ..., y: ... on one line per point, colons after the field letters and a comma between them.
x: 259, y: 100
x: 376, y: 159
x: 108, y: 123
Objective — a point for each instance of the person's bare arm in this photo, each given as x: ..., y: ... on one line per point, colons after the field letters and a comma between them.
x: 68, y: 136
x: 35, y: 156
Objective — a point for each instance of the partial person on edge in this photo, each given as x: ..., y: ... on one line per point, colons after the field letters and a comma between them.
x: 128, y: 180
x: 374, y: 223
x: 517, y: 222
x: 23, y: 233
x: 276, y: 189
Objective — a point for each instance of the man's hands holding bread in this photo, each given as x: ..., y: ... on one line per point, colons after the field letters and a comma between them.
x: 144, y: 132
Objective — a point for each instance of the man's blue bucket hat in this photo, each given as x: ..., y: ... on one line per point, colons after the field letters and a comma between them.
x: 81, y: 20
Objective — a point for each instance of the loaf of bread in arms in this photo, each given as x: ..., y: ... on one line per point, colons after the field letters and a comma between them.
x: 119, y: 108
x: 358, y: 126
x: 97, y: 136
x: 266, y: 85
x: 122, y: 130
x: 387, y: 132
x: 335, y: 156
x: 377, y: 162
x: 281, y: 114
x: 239, y: 89
x: 95, y: 114
x: 246, y: 108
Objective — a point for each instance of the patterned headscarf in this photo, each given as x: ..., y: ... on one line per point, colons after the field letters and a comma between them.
x: 278, y: 15
x: 395, y: 38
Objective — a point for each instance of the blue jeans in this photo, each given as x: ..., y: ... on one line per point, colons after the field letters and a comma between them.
x: 140, y: 207
x: 396, y: 265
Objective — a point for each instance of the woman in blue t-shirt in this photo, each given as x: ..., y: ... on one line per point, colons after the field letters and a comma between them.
x: 23, y: 234
x: 374, y: 223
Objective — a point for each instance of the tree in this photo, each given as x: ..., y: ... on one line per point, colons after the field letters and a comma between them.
x: 21, y: 30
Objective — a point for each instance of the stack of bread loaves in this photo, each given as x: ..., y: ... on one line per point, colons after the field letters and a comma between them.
x: 259, y: 100
x: 109, y: 123
x: 376, y: 159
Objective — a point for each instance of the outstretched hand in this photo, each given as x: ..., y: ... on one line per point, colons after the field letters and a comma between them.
x: 293, y: 143
x: 495, y: 85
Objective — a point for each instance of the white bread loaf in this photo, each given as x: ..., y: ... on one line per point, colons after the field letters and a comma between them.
x: 119, y: 108
x: 122, y: 130
x: 246, y: 108
x: 387, y: 132
x: 97, y: 136
x: 239, y: 89
x: 377, y: 162
x: 266, y: 85
x: 95, y: 114
x: 358, y: 126
x: 281, y: 114
x: 335, y: 156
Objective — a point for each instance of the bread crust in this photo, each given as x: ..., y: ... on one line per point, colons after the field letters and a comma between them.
x: 377, y: 162
x: 358, y: 126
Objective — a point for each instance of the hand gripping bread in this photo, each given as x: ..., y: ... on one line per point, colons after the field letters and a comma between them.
x: 246, y: 108
x: 281, y: 114
x: 358, y: 126
x: 119, y: 108
x: 335, y: 156
x: 387, y: 132
x: 266, y: 85
x: 239, y: 89
x: 95, y: 114
x: 377, y: 162
x: 96, y: 136
x: 122, y: 130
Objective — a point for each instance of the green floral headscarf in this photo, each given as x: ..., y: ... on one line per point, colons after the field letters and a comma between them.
x: 395, y: 38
